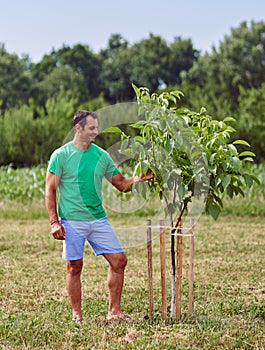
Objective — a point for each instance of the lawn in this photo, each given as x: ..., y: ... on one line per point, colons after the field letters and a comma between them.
x: 229, y: 289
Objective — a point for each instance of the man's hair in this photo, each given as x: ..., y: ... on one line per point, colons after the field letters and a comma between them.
x: 80, y: 117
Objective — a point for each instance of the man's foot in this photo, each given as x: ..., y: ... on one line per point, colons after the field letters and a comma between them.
x: 77, y: 320
x: 119, y: 317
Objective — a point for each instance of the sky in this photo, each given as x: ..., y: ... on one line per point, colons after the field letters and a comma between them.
x: 35, y: 28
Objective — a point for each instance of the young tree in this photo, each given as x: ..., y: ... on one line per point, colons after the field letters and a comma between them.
x: 190, y: 155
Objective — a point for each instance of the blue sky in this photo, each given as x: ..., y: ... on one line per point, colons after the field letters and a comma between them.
x: 36, y: 27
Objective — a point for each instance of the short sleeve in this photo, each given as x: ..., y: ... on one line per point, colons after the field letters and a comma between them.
x: 111, y: 168
x: 55, y: 164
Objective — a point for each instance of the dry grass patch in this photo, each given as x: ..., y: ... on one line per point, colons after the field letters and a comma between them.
x: 229, y: 308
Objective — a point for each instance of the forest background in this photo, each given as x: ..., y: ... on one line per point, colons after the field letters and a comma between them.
x: 38, y: 100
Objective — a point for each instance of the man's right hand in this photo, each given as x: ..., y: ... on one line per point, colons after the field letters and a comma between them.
x: 57, y: 230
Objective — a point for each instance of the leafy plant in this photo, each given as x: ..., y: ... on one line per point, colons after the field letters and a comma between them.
x: 23, y: 184
x: 189, y: 153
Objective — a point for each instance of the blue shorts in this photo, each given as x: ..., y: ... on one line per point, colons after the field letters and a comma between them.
x: 99, y: 234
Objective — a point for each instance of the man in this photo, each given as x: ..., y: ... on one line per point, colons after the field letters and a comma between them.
x: 77, y: 169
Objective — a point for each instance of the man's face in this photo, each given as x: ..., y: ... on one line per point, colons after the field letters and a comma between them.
x: 90, y: 130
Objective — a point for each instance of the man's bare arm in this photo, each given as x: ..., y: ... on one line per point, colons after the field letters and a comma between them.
x: 52, y: 182
x: 124, y: 184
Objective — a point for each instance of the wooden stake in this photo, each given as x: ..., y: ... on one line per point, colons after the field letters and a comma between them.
x: 163, y: 268
x: 150, y: 268
x: 191, y: 270
x: 179, y: 270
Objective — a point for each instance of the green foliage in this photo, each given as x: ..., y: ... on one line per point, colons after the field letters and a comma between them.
x: 253, y: 203
x: 94, y: 104
x: 251, y: 121
x: 22, y: 184
x: 3, y: 146
x: 64, y: 78
x: 75, y: 70
x: 189, y: 153
x: 229, y: 81
x: 29, y: 140
x: 22, y: 135
x: 15, y: 80
x: 115, y: 72
x: 151, y: 62
x: 182, y: 56
x: 215, y: 78
x: 26, y: 184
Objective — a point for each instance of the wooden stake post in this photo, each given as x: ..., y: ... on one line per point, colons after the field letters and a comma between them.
x: 150, y: 268
x: 191, y: 270
x: 163, y: 269
x: 179, y: 271
x: 178, y: 283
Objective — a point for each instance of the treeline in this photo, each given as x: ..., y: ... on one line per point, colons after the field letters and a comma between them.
x: 38, y: 100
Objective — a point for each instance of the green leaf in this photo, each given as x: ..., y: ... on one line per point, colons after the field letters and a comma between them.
x: 256, y: 179
x: 214, y: 211
x: 247, y: 154
x: 140, y: 139
x: 168, y: 146
x: 232, y: 149
x: 170, y: 208
x: 249, y: 159
x: 230, y: 191
x: 136, y: 89
x: 202, y: 110
x: 238, y: 190
x: 139, y: 124
x: 212, y: 158
x: 172, y: 98
x: 236, y: 164
x: 241, y: 142
x: 230, y: 129
x: 177, y: 93
x: 226, y: 181
x: 248, y: 179
x: 112, y: 129
x: 124, y: 145
x: 218, y: 179
x: 229, y: 119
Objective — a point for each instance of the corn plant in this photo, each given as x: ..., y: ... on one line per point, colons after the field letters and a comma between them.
x: 22, y: 184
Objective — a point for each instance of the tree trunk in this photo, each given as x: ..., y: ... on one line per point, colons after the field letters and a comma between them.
x: 173, y: 271
x: 173, y: 259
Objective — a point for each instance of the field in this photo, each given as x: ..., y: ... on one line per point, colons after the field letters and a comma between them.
x: 229, y: 287
x: 229, y: 294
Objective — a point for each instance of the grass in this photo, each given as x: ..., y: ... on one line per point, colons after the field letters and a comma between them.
x: 229, y: 290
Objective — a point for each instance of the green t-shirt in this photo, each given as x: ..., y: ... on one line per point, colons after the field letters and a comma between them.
x: 81, y: 174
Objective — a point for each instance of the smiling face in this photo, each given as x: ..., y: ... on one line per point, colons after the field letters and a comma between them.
x: 90, y: 130
x: 87, y: 133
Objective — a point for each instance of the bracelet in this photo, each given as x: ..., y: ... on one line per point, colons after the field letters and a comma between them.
x: 53, y: 222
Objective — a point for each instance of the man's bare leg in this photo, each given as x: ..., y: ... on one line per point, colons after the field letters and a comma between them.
x: 73, y: 285
x: 115, y: 280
